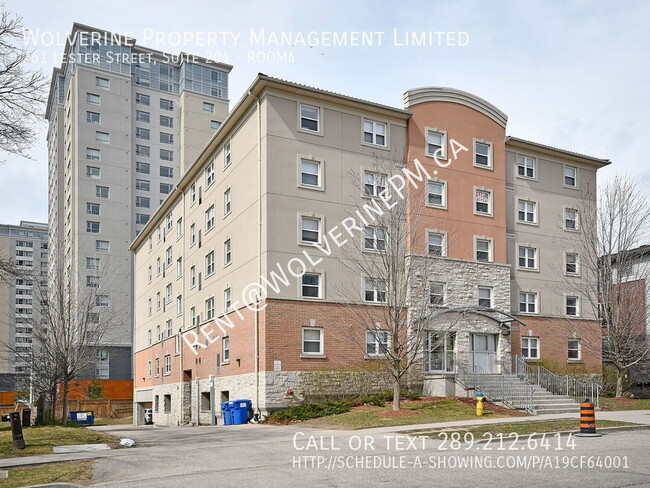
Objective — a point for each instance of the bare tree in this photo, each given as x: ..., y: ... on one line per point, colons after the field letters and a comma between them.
x: 8, y: 270
x: 390, y: 320
x: 612, y: 261
x: 22, y: 91
x: 67, y: 334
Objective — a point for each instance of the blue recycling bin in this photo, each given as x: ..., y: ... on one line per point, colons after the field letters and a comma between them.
x: 240, y: 411
x: 84, y: 417
x: 226, y: 413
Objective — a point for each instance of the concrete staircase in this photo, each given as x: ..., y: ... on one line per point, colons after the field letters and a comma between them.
x: 514, y: 392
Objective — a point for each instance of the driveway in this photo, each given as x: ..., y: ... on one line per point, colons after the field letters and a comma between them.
x: 291, y: 456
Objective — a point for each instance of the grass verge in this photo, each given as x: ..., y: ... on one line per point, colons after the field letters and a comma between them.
x: 41, y: 440
x: 423, y: 412
x: 624, y: 404
x: 520, y: 428
x: 69, y: 472
x: 123, y: 421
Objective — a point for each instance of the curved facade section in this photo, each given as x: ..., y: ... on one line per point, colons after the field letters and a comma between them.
x: 452, y: 95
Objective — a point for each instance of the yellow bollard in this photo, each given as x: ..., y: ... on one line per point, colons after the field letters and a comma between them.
x: 479, y: 403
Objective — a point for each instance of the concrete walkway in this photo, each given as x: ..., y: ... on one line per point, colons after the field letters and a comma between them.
x: 263, y: 433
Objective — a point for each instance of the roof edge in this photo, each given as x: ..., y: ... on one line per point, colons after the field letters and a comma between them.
x: 556, y: 151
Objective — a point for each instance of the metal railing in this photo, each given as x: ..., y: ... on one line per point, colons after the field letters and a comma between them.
x: 498, y: 387
x: 555, y: 383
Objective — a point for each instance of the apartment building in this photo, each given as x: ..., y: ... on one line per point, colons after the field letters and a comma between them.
x: 125, y: 122
x: 27, y: 246
x: 291, y: 162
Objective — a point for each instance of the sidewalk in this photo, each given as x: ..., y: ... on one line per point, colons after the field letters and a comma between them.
x: 635, y: 416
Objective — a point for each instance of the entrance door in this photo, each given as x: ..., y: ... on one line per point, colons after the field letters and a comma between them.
x: 483, y: 357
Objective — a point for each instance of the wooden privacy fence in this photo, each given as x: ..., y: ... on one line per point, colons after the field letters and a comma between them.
x: 104, y: 408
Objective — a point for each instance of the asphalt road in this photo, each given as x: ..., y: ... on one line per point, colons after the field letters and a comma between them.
x: 264, y: 456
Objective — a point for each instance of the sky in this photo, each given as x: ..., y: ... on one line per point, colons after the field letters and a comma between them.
x: 570, y: 74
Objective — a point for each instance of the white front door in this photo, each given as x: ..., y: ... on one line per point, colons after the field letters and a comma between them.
x: 483, y: 357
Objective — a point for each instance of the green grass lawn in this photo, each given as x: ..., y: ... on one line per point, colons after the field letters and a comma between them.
x: 624, y: 404
x: 521, y: 428
x: 40, y: 440
x: 70, y: 472
x: 429, y: 412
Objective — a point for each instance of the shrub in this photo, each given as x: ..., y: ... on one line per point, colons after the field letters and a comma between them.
x: 306, y: 411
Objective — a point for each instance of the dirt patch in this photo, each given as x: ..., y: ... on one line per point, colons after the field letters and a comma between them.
x: 399, y: 413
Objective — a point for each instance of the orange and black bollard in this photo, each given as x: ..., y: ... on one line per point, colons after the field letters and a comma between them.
x: 588, y: 420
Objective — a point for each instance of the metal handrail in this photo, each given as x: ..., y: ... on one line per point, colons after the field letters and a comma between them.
x: 497, y: 388
x: 557, y: 384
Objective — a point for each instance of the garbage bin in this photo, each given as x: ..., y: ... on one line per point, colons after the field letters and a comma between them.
x: 27, y: 417
x: 83, y: 417
x: 226, y: 413
x: 240, y: 411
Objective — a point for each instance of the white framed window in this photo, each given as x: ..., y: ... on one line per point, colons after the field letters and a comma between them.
x: 571, y: 263
x: 436, y: 243
x: 227, y: 202
x: 168, y: 293
x: 375, y: 133
x: 92, y: 263
x: 142, y: 202
x: 192, y: 234
x: 102, y: 137
x: 574, y: 351
x: 93, y: 118
x: 168, y: 364
x: 483, y: 249
x: 440, y: 352
x: 530, y: 347
x: 374, y: 184
x: 92, y: 99
x: 374, y: 239
x: 142, y: 168
x: 527, y: 257
x: 166, y: 138
x: 482, y: 154
x: 526, y: 166
x: 167, y: 155
x: 482, y: 201
x: 158, y: 267
x: 527, y: 302
x: 309, y: 117
x: 102, y: 246
x: 92, y: 281
x: 225, y: 350
x: 141, y: 219
x: 179, y: 311
x: 310, y: 285
x: 310, y: 229
x: 377, y: 342
x: 169, y: 257
x: 166, y: 104
x: 141, y: 133
x: 310, y: 174
x: 208, y: 107
x: 102, y: 191
x: 215, y: 124
x: 572, y: 308
x: 166, y: 171
x: 436, y: 194
x: 193, y: 194
x: 227, y: 253
x: 150, y: 274
x: 93, y: 154
x: 142, y: 99
x: 312, y: 341
x: 436, y: 143
x: 437, y: 293
x: 102, y: 83
x: 570, y: 176
x: 142, y: 116
x: 227, y: 157
x: 149, y: 367
x: 157, y: 372
x: 92, y: 208
x: 193, y: 317
x: 526, y: 211
x: 179, y: 228
x: 209, y: 174
x: 209, y: 263
x: 149, y: 307
x: 179, y: 267
x: 92, y: 227
x: 374, y: 290
x: 209, y: 308
x: 227, y: 299
x: 209, y: 218
x: 485, y: 296
x: 571, y: 219
x: 192, y: 276
x: 142, y: 185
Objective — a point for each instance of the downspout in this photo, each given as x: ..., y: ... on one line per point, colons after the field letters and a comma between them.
x: 259, y: 249
x: 180, y: 329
